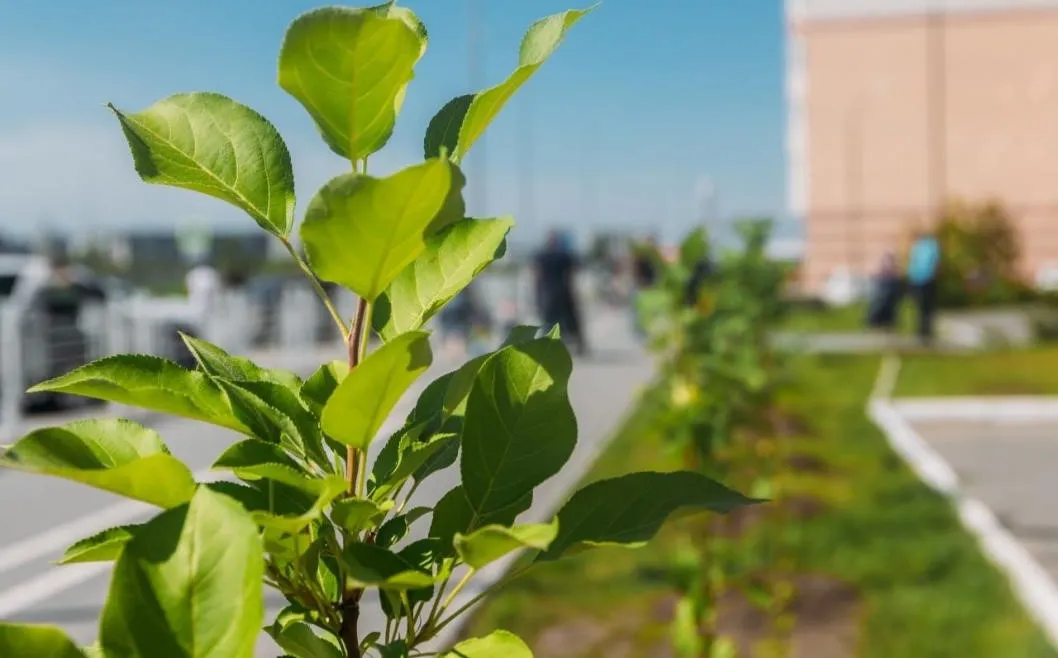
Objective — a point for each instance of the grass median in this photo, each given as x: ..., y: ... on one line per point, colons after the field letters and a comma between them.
x: 1032, y: 371
x: 912, y: 582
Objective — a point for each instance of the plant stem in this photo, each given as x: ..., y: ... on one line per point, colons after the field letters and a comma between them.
x: 488, y: 591
x: 318, y: 287
x: 355, y: 354
x: 457, y: 589
x: 350, y: 606
x: 365, y: 334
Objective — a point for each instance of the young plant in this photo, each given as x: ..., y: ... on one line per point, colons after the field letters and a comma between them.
x: 304, y: 511
x: 713, y: 336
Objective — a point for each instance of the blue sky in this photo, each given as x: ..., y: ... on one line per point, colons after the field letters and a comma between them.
x: 641, y: 102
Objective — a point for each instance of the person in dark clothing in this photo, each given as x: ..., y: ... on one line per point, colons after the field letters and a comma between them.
x: 555, y: 296
x: 644, y: 265
x: 884, y: 305
x: 703, y: 270
x: 644, y: 277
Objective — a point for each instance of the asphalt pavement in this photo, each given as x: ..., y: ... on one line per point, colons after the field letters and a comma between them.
x: 41, y: 516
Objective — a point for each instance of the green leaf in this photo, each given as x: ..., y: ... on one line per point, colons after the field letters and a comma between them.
x: 463, y: 120
x: 360, y: 231
x: 109, y: 454
x: 425, y: 555
x: 301, y: 641
x: 394, y: 649
x: 396, y: 529
x: 247, y: 454
x: 629, y: 510
x: 276, y: 414
x: 460, y: 385
x: 451, y: 260
x: 210, y: 144
x: 103, y: 546
x: 281, y: 506
x: 441, y: 458
x: 405, y: 455
x: 318, y: 388
x: 147, y: 382
x: 188, y: 584
x: 453, y: 515
x: 486, y: 545
x: 362, y: 402
x: 349, y: 68
x: 522, y: 333
x: 357, y: 514
x: 519, y: 428
x: 497, y: 644
x: 391, y: 10
x: 372, y: 566
x: 216, y: 362
x: 33, y: 641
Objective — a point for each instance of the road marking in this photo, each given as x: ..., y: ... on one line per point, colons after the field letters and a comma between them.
x: 60, y: 537
x: 885, y: 383
x: 27, y: 594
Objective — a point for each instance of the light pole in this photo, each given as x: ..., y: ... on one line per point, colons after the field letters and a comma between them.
x: 476, y: 76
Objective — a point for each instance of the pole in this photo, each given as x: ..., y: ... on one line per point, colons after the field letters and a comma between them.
x: 476, y: 75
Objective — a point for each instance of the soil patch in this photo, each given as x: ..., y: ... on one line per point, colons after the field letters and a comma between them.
x: 739, y: 522
x: 825, y: 616
x: 808, y: 464
x: 825, y: 624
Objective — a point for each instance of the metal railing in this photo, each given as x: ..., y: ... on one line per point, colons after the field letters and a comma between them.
x: 283, y: 328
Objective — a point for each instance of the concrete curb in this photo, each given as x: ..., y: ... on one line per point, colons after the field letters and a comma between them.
x: 1006, y: 409
x: 1030, y: 582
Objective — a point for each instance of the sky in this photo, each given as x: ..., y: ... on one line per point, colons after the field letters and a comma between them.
x: 640, y: 105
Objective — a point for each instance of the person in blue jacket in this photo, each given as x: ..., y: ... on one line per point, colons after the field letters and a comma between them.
x: 923, y: 264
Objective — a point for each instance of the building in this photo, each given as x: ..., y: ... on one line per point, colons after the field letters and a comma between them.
x: 896, y: 106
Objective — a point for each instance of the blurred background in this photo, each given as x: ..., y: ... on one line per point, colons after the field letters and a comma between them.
x: 903, y: 153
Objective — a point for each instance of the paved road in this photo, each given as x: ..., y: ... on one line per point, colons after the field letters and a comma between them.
x: 40, y: 516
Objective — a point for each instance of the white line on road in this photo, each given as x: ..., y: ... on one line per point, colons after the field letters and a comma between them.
x: 27, y: 594
x: 60, y: 537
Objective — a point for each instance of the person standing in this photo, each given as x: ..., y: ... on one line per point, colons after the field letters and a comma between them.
x: 644, y: 276
x: 883, y: 310
x: 922, y: 265
x: 204, y: 292
x: 555, y: 299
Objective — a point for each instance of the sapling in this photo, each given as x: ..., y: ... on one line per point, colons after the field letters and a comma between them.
x: 718, y: 365
x: 304, y: 510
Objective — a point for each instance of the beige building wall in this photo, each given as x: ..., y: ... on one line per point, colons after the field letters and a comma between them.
x: 893, y: 114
